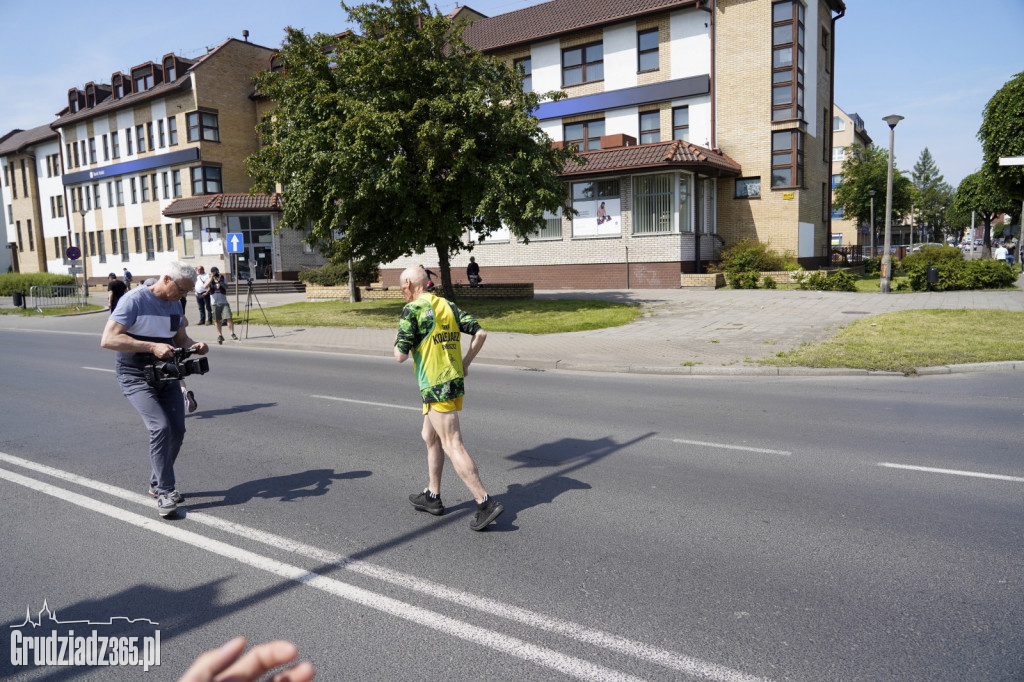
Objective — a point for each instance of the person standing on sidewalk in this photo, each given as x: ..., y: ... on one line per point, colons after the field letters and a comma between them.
x: 203, y: 296
x: 117, y: 289
x: 430, y: 329
x: 221, y: 307
x: 145, y: 327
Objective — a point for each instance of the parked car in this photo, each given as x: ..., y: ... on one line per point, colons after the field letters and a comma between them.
x: 926, y: 245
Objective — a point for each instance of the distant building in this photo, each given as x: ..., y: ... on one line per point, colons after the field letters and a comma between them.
x: 848, y: 129
x: 33, y: 199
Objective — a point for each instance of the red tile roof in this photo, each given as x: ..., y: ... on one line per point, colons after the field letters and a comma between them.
x: 223, y: 203
x: 554, y: 18
x: 17, y: 141
x: 659, y: 155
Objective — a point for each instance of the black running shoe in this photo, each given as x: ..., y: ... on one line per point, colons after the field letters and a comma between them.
x: 430, y: 505
x: 485, y: 514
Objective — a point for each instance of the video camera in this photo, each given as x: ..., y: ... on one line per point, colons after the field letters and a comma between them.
x: 178, y: 368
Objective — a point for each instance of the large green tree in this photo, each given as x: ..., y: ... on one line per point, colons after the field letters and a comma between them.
x: 1002, y: 135
x: 934, y: 195
x: 402, y: 139
x: 865, y: 169
x: 981, y: 193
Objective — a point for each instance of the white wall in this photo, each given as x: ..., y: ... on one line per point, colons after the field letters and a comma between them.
x: 690, y: 47
x: 620, y: 56
x: 546, y: 60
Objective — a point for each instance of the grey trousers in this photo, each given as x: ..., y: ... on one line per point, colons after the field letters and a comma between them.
x: 163, y: 412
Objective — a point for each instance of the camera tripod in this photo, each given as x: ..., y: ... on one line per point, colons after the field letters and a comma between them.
x: 249, y: 298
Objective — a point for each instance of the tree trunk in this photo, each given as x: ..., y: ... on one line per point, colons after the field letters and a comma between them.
x: 444, y: 264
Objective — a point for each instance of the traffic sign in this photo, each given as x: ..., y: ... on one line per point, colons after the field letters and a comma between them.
x: 73, y: 253
x: 74, y: 269
x: 235, y: 242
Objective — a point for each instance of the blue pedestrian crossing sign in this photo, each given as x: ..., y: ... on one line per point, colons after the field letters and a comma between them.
x: 235, y: 242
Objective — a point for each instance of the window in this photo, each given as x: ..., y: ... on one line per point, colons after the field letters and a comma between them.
x: 106, y: 148
x: 166, y: 186
x: 598, y: 208
x: 144, y: 185
x: 838, y: 154
x: 74, y: 148
x: 115, y: 147
x: 128, y: 141
x: 748, y: 188
x: 149, y: 135
x: 158, y: 233
x: 96, y: 195
x: 586, y: 135
x: 552, y: 228
x: 787, y: 60
x: 647, y: 50
x: 681, y: 123
x: 169, y: 70
x: 138, y: 239
x: 113, y: 242
x: 152, y: 183
x: 134, y: 190
x: 110, y: 196
x: 60, y: 207
x: 202, y: 125
x: 526, y: 64
x: 118, y: 86
x: 102, y: 243
x: 187, y: 246
x: 176, y: 177
x: 123, y: 233
x: 172, y: 130
x: 205, y: 180
x: 650, y: 127
x: 170, y: 236
x: 140, y: 138
x: 92, y: 150
x: 160, y: 132
x: 119, y: 192
x: 653, y: 203
x: 838, y: 124
x: 142, y: 79
x: 583, y: 64
x: 837, y: 179
x: 787, y: 158
x: 150, y: 247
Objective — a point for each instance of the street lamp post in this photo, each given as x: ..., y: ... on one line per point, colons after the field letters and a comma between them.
x: 871, y: 193
x: 85, y: 258
x: 884, y: 284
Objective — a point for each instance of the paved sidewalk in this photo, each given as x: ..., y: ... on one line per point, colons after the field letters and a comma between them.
x: 683, y: 331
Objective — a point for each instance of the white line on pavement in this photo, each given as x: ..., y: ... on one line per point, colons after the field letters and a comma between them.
x: 669, y: 659
x: 366, y: 402
x: 99, y: 369
x: 952, y: 472
x: 726, y: 446
x: 548, y: 658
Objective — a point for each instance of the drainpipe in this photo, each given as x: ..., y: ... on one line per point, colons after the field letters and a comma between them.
x: 827, y: 137
x: 709, y: 7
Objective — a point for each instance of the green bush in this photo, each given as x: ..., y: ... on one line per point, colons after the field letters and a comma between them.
x: 336, y: 274
x: 768, y: 283
x: 822, y: 281
x: 872, y: 266
x: 22, y: 281
x: 752, y: 256
x: 958, y: 274
x: 745, y: 279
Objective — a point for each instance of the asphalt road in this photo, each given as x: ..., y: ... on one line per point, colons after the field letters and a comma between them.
x: 661, y: 528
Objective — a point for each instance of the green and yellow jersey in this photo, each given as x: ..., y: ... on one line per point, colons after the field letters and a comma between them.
x: 430, y: 330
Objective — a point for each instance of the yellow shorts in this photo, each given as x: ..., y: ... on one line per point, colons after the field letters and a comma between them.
x: 454, y: 405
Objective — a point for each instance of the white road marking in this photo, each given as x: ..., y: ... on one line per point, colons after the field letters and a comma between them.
x: 366, y: 402
x: 952, y: 472
x: 726, y: 446
x: 48, y: 331
x: 669, y: 659
x: 99, y: 369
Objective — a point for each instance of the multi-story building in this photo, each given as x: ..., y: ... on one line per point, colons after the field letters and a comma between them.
x: 702, y: 122
x: 32, y: 198
x: 847, y: 129
x: 154, y: 162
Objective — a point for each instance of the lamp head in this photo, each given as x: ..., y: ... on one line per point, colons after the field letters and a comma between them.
x: 892, y: 120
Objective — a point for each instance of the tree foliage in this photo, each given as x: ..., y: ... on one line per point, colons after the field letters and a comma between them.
x: 1002, y: 134
x: 934, y: 195
x: 865, y: 169
x: 980, y: 192
x: 403, y: 138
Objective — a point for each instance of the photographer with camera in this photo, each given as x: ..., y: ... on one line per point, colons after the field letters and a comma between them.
x: 148, y: 331
x: 221, y: 307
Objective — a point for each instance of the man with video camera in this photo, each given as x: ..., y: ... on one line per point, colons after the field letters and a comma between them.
x: 145, y: 329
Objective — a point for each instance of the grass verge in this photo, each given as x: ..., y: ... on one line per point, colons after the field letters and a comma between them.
x: 902, y: 341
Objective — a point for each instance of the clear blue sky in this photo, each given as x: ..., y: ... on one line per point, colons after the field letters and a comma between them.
x: 936, y: 62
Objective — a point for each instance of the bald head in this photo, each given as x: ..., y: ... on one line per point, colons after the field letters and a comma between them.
x: 414, y: 282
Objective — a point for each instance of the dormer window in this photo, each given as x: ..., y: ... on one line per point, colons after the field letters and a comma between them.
x: 74, y: 101
x: 170, y: 73
x: 142, y: 79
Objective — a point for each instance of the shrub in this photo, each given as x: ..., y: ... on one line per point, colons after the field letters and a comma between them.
x: 822, y: 281
x: 23, y: 281
x: 336, y: 274
x: 958, y: 274
x: 768, y: 283
x: 748, y: 255
x: 872, y: 266
x: 745, y: 279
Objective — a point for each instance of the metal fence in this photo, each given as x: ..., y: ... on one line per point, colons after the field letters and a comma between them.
x: 56, y: 296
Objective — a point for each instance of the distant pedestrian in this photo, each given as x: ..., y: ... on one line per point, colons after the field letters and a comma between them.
x: 203, y: 296
x: 1010, y: 253
x: 431, y: 329
x: 117, y: 289
x: 473, y: 272
x: 431, y: 276
x: 127, y: 277
x: 221, y: 307
x: 1000, y: 252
